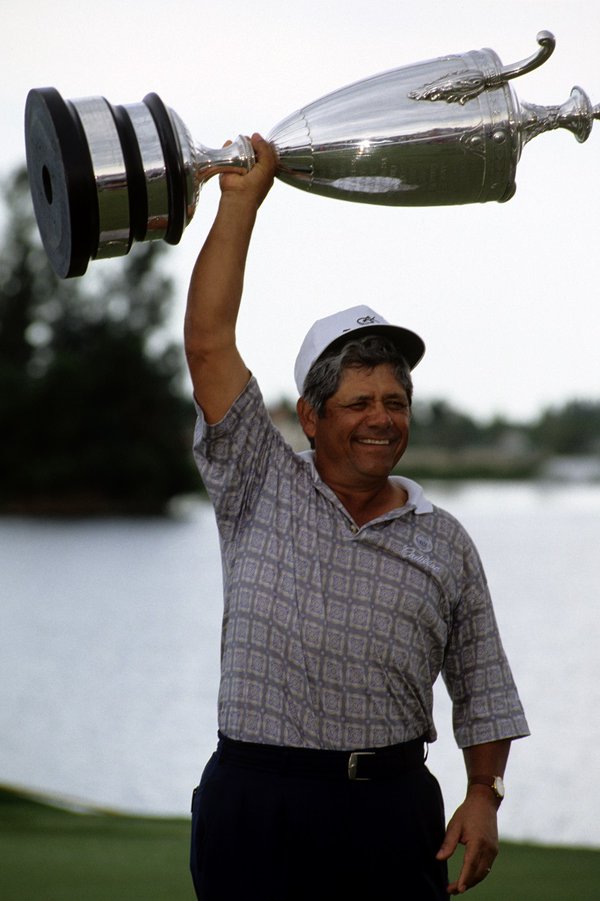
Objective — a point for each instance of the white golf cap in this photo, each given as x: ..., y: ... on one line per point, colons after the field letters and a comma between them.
x: 340, y: 326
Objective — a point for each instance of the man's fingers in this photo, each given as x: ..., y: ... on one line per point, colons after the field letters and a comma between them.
x: 450, y: 843
x: 476, y: 866
x: 265, y: 151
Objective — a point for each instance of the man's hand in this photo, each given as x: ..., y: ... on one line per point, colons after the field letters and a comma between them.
x: 474, y: 825
x: 255, y: 184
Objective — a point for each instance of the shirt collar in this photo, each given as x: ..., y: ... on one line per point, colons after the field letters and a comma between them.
x: 416, y: 495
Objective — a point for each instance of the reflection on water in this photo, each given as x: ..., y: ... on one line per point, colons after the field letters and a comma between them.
x: 109, y: 641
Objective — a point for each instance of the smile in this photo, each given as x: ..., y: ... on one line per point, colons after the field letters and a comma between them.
x: 377, y: 442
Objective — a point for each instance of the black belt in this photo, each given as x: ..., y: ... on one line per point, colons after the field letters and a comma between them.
x: 361, y: 766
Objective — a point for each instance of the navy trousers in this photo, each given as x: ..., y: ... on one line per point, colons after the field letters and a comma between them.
x: 264, y: 836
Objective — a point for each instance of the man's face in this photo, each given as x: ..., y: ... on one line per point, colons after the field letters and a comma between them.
x: 364, y: 431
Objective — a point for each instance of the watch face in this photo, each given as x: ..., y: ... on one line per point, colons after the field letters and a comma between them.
x: 499, y: 786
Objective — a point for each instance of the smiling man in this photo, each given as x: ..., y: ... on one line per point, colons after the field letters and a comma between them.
x: 346, y: 594
x: 360, y: 431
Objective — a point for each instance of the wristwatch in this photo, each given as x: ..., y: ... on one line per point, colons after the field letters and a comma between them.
x: 496, y: 783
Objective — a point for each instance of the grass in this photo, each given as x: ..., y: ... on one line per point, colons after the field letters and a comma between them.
x: 541, y: 873
x: 50, y: 854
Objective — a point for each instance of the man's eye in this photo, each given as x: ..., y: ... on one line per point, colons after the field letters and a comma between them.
x: 397, y: 405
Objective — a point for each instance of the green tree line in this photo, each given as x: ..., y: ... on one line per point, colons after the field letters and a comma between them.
x: 93, y: 417
x: 572, y: 428
x: 448, y: 443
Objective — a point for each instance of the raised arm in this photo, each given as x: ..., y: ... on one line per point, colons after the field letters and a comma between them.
x: 218, y: 372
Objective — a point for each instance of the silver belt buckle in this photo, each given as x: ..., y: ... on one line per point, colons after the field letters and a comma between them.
x: 353, y: 765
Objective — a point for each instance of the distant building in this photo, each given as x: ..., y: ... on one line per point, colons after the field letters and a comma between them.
x: 572, y: 469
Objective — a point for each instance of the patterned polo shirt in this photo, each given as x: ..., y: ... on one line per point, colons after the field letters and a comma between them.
x: 333, y: 634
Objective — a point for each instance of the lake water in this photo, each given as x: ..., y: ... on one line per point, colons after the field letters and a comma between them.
x: 109, y: 644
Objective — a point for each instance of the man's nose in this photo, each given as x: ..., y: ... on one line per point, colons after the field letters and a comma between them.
x: 379, y: 416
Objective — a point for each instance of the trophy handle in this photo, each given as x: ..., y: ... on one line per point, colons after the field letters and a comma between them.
x: 467, y: 85
x: 576, y: 114
x: 547, y: 43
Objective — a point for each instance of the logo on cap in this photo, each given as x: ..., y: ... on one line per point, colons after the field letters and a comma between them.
x: 366, y: 320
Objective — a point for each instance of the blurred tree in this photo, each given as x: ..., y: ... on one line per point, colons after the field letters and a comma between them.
x: 92, y: 413
x: 571, y: 429
x: 437, y: 423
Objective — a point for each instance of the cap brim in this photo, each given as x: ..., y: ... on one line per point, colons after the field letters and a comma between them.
x: 410, y: 345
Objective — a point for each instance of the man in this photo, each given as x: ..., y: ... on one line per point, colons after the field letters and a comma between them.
x: 346, y: 594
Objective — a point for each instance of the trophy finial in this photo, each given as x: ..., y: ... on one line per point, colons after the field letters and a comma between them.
x: 576, y: 115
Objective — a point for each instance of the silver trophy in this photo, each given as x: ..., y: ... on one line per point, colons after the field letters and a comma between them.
x: 446, y: 131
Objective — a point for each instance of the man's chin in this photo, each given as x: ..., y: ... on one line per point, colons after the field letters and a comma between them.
x: 378, y: 456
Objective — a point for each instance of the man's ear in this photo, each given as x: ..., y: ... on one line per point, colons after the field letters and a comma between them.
x: 307, y: 417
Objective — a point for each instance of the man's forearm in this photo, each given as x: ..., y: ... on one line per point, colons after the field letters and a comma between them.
x: 216, y: 367
x: 218, y: 277
x: 488, y: 758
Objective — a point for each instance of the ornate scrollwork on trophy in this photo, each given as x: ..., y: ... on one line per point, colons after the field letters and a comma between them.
x: 459, y: 87
x: 453, y: 88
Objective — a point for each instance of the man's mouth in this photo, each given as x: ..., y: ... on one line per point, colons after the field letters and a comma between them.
x: 378, y: 442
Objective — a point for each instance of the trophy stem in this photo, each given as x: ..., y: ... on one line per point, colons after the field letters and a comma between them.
x: 239, y: 156
x: 190, y: 165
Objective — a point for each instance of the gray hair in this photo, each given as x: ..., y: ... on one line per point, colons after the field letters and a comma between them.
x: 324, y: 376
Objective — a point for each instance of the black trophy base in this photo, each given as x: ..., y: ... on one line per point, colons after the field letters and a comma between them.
x: 65, y: 188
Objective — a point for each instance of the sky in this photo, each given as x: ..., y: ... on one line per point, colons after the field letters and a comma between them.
x: 504, y: 295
